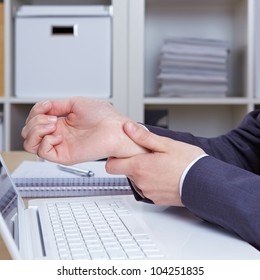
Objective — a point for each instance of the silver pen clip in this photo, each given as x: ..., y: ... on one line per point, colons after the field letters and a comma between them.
x: 76, y: 171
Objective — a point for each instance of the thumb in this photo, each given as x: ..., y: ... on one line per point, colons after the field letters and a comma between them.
x: 143, y: 137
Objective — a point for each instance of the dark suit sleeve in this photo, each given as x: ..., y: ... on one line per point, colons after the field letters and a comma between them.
x: 224, y: 188
x: 240, y: 147
x: 225, y: 195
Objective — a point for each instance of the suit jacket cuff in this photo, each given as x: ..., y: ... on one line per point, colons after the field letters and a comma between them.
x: 187, y: 170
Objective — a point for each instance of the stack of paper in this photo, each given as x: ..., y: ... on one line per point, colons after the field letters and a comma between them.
x: 193, y: 67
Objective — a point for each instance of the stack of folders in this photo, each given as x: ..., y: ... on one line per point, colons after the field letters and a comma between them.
x: 47, y: 179
x: 190, y: 67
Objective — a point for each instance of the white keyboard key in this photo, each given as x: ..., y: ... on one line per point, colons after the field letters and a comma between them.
x: 81, y: 257
x: 136, y: 254
x: 117, y: 254
x: 106, y: 231
x: 130, y: 247
x: 95, y: 247
x: 65, y: 256
x: 102, y: 255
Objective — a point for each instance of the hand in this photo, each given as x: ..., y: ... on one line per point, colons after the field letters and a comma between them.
x: 157, y: 174
x: 76, y: 130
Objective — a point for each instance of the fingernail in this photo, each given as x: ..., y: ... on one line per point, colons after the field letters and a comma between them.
x: 131, y: 126
x: 52, y: 118
x: 46, y: 103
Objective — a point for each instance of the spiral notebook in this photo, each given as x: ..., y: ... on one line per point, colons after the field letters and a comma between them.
x: 45, y: 179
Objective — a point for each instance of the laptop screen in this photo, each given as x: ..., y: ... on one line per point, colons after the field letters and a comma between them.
x: 8, y: 203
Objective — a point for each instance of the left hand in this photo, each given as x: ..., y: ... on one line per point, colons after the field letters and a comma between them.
x: 89, y: 129
x: 157, y: 174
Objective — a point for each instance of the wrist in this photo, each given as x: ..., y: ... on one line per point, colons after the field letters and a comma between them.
x: 124, y: 146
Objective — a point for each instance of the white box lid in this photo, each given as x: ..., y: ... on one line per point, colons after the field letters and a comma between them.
x: 68, y: 10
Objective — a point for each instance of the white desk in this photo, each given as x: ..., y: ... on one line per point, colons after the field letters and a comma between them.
x: 188, y: 236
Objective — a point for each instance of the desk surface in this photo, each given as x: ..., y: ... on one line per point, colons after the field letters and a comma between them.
x: 12, y: 160
x: 196, y: 239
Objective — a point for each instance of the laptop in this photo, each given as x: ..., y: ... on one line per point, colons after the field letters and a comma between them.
x: 108, y: 227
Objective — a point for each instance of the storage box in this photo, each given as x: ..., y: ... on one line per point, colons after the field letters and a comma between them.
x: 63, y: 51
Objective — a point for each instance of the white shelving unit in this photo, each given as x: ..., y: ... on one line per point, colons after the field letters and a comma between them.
x: 139, y: 27
x: 16, y: 109
x: 230, y: 20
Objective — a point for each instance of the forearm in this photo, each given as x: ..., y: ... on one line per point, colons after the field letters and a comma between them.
x: 211, y: 146
x: 240, y: 147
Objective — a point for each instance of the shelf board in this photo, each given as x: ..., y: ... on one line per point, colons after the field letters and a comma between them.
x: 20, y: 100
x: 191, y: 2
x: 196, y: 101
x: 256, y: 101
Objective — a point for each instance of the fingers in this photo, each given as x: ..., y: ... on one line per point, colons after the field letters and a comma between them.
x: 142, y: 137
x: 42, y: 120
x: 36, y: 129
x: 119, y: 166
x: 38, y: 109
x: 62, y: 107
x: 39, y: 122
x: 55, y: 108
x: 133, y: 169
x: 47, y: 148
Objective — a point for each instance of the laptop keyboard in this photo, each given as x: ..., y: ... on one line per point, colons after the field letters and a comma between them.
x: 99, y: 230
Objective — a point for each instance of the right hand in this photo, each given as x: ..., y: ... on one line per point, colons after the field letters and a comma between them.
x: 156, y: 174
x: 76, y: 130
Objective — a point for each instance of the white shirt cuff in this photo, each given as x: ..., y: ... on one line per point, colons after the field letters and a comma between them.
x: 143, y: 126
x: 187, y: 170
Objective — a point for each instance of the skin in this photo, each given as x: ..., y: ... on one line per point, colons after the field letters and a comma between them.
x: 81, y: 129
x: 88, y: 130
x: 168, y: 158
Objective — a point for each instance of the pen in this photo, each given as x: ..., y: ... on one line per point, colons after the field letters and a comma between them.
x: 75, y: 170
